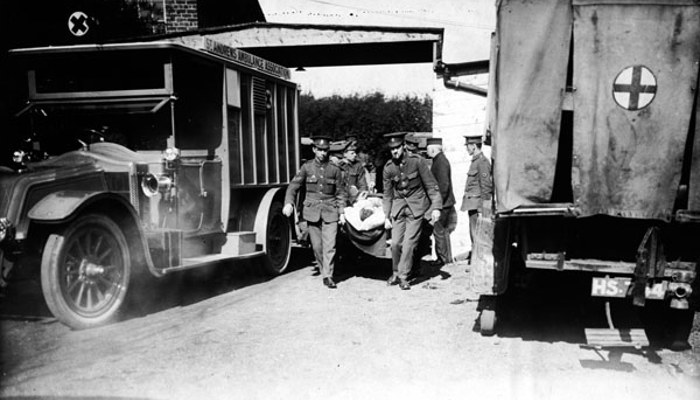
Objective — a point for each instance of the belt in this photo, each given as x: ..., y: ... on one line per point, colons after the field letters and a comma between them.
x: 314, y: 202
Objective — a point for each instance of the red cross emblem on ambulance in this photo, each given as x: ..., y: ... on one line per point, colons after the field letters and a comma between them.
x: 78, y: 23
x: 634, y: 88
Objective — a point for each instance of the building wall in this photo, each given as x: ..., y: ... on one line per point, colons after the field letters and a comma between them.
x: 180, y: 15
x: 457, y: 114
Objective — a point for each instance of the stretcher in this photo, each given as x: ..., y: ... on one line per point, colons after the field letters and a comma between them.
x: 364, y: 230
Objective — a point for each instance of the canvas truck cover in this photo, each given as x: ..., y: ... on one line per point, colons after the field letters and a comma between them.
x: 635, y: 79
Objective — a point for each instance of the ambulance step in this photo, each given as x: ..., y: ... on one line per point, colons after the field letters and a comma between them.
x: 194, y: 262
x: 600, y: 338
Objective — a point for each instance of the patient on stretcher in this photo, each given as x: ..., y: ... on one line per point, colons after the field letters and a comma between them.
x: 365, y: 214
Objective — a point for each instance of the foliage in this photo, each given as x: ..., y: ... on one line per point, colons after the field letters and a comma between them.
x: 367, y: 117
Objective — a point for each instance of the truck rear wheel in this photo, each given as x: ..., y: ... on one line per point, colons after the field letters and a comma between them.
x: 487, y: 322
x: 278, y: 240
x: 667, y: 327
x: 85, y: 272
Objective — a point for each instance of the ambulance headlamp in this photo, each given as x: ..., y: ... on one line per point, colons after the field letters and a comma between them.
x: 171, y: 154
x: 152, y: 184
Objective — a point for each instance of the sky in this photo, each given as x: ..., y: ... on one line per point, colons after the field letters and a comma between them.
x: 468, y: 25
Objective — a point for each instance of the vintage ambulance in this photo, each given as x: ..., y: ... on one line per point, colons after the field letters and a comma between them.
x: 142, y: 159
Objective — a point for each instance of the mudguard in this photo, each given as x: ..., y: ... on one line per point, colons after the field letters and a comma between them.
x: 62, y: 205
x: 59, y: 207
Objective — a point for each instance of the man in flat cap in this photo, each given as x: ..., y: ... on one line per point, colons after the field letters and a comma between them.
x: 323, y: 205
x: 447, y: 223
x: 410, y: 191
x: 479, y: 187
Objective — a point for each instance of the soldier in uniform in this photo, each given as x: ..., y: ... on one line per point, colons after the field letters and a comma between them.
x: 410, y: 191
x: 351, y: 138
x: 479, y: 187
x: 354, y: 174
x: 323, y: 205
x: 335, y: 152
x: 448, y: 215
x: 412, y: 146
x: 411, y: 143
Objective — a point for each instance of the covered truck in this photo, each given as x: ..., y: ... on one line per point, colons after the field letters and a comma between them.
x: 593, y: 108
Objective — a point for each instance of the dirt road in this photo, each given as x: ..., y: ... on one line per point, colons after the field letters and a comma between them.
x: 231, y: 333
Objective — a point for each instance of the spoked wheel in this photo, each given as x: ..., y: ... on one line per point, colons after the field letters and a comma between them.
x: 85, y: 272
x: 278, y: 240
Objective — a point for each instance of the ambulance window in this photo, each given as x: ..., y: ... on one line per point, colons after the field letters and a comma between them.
x: 198, y: 110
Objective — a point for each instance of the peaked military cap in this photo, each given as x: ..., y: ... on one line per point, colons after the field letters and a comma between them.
x: 412, y: 139
x: 434, y: 140
x: 322, y: 142
x: 395, y: 138
x: 472, y: 139
x: 338, y: 146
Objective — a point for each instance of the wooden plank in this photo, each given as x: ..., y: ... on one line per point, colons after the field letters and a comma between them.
x: 616, y: 337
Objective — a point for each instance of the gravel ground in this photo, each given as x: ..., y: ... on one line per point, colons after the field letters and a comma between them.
x: 230, y: 335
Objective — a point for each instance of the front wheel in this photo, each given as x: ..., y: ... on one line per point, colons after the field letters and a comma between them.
x: 85, y: 271
x: 278, y: 240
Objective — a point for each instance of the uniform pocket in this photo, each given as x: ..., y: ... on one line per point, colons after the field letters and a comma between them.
x: 311, y: 184
x: 329, y: 186
x: 413, y: 180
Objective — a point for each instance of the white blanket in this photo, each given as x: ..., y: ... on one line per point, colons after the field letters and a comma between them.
x: 371, y: 204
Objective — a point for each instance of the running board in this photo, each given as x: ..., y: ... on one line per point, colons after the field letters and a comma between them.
x: 603, y: 338
x: 556, y: 261
x: 543, y: 210
x: 195, y: 262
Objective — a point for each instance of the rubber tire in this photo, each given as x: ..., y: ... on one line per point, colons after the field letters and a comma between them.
x: 279, y: 238
x: 487, y: 322
x: 53, y: 266
x: 667, y: 327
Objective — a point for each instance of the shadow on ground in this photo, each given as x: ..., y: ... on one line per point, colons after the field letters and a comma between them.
x: 23, y: 300
x: 549, y: 306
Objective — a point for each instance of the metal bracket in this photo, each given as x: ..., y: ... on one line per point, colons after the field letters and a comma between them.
x: 650, y: 264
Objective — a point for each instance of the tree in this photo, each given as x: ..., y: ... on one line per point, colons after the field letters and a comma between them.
x: 368, y: 117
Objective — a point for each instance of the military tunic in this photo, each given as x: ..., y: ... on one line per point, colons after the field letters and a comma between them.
x: 447, y: 223
x: 410, y: 191
x: 354, y: 176
x: 324, y: 202
x: 478, y: 191
x: 479, y: 186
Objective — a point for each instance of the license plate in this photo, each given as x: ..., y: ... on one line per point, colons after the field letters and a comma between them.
x: 618, y: 287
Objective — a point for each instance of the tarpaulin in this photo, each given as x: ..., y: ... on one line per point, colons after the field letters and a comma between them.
x: 635, y: 71
x: 533, y: 48
x: 694, y: 190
